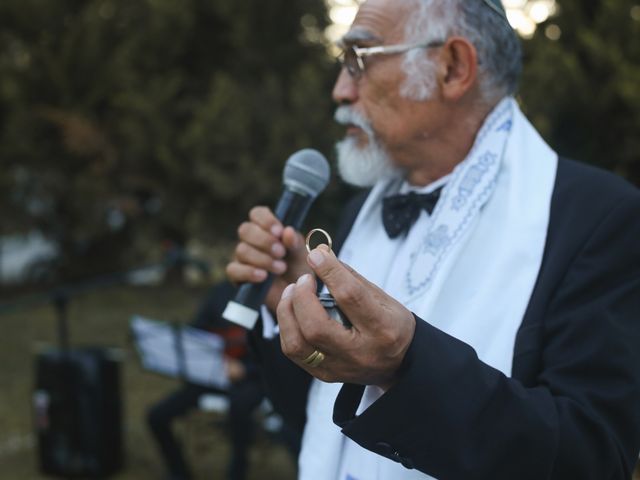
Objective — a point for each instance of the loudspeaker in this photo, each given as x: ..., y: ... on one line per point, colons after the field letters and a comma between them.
x: 78, y: 412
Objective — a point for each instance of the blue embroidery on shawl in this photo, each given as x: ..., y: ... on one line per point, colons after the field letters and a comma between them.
x: 472, y: 178
x: 438, y: 241
x: 506, y: 126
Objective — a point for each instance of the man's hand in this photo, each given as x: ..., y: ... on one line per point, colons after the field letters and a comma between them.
x: 266, y: 246
x: 369, y: 353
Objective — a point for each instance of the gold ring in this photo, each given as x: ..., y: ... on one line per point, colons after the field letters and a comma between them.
x: 310, y: 234
x: 314, y: 359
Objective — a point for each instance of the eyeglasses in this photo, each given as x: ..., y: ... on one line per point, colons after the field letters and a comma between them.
x: 352, y: 58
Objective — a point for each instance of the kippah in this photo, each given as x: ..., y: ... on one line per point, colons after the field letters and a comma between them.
x: 496, y: 6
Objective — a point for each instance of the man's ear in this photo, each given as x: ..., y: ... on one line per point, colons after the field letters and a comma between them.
x: 458, y: 69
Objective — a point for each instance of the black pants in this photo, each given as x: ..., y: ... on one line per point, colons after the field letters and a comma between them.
x: 244, y: 397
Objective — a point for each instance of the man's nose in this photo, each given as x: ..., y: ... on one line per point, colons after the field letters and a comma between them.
x: 346, y: 88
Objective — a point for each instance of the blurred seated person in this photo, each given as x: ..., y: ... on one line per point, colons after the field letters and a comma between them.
x: 244, y: 393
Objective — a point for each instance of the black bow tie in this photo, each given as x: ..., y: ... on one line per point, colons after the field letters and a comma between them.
x: 400, y: 212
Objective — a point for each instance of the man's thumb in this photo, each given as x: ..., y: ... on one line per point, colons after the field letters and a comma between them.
x: 327, y: 267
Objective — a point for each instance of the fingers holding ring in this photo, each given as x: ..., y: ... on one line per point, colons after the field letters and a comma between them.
x: 314, y: 359
x: 317, y: 230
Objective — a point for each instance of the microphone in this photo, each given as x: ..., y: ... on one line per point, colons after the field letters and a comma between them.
x: 305, y: 176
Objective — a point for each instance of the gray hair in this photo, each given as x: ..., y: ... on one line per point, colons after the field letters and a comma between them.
x: 497, y: 44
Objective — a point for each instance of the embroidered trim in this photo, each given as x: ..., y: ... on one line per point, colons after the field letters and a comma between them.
x: 472, y: 183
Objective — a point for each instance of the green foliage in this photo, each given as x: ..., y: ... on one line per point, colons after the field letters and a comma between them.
x: 582, y: 91
x: 177, y: 114
x: 123, y: 122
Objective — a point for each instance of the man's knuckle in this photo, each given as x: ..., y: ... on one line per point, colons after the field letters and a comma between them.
x: 229, y: 269
x: 257, y: 212
x: 254, y: 210
x: 295, y: 347
x: 242, y: 229
x: 285, y: 348
x: 242, y: 250
x: 314, y: 333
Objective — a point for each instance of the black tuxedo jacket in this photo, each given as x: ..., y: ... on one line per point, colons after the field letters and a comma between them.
x: 571, y: 409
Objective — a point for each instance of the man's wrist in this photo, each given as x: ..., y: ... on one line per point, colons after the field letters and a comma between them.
x: 386, y: 383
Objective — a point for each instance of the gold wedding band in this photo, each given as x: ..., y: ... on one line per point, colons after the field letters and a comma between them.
x: 318, y: 230
x: 314, y: 359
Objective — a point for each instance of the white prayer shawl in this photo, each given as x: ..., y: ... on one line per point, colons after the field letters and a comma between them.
x: 469, y: 269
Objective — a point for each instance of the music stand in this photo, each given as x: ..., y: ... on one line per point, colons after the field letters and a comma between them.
x: 179, y: 351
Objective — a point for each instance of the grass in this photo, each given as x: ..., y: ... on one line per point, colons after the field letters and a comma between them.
x: 101, y: 318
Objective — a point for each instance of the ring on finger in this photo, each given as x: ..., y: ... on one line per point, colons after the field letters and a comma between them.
x: 314, y: 359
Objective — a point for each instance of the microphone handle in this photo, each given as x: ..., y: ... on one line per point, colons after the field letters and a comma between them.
x: 291, y: 211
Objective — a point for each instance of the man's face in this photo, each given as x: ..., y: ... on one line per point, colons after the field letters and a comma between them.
x: 396, y: 126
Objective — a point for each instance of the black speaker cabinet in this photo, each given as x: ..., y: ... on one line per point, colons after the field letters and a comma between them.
x: 78, y: 412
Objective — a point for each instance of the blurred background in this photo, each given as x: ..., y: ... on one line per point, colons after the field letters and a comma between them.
x: 136, y: 134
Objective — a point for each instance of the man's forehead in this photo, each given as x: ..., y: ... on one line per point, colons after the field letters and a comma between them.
x: 377, y: 21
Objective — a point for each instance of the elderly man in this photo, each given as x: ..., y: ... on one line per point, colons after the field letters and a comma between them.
x: 493, y: 288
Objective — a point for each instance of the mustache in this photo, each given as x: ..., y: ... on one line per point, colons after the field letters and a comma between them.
x: 346, y: 115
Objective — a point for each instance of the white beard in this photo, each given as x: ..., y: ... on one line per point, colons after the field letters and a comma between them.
x: 361, y: 166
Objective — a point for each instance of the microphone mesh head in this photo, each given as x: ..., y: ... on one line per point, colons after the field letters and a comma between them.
x: 307, y: 172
